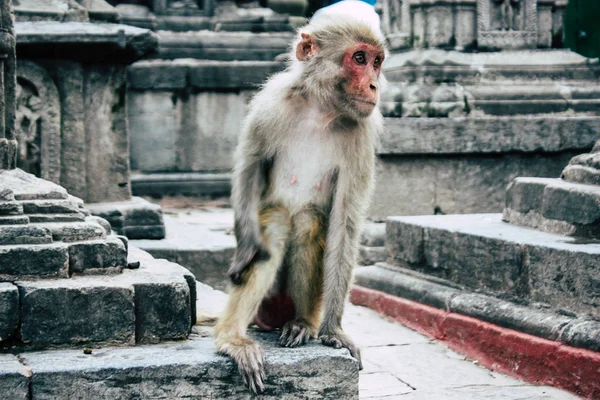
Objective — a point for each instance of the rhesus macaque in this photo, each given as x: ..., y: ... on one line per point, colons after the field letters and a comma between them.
x: 302, y: 180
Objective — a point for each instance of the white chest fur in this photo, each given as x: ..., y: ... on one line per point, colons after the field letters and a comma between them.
x: 304, y: 167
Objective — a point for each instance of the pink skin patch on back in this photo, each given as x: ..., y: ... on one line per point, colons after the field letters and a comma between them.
x: 274, y: 312
x: 293, y: 180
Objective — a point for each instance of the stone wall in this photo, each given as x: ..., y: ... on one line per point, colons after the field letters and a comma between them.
x: 8, y: 143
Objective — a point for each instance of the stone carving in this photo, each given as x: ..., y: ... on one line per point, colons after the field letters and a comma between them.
x: 508, y: 15
x: 38, y: 122
x: 507, y: 24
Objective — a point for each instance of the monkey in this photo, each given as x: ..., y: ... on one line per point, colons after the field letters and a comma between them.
x: 302, y: 180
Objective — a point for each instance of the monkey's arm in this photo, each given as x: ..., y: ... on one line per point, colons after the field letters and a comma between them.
x: 349, y: 206
x: 248, y: 184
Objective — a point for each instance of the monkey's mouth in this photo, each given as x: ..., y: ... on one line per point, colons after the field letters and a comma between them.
x: 372, y: 103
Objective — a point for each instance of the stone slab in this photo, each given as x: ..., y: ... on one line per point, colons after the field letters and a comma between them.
x: 14, y: 378
x: 124, y: 40
x: 370, y: 255
x: 191, y: 184
x: 136, y: 218
x: 223, y: 46
x: 73, y: 231
x: 76, y: 311
x: 26, y: 186
x: 527, y: 263
x: 41, y: 261
x: 50, y: 207
x: 24, y: 234
x: 199, y: 74
x: 488, y: 135
x: 14, y: 220
x: 190, y: 369
x: 9, y: 310
x: 97, y: 256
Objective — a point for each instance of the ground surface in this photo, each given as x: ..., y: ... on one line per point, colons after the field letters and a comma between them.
x: 399, y: 363
x: 402, y: 364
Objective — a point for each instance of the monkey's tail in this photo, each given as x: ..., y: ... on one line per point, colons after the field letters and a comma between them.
x: 205, y: 318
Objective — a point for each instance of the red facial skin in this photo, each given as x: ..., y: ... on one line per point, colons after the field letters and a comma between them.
x: 361, y: 67
x: 275, y: 311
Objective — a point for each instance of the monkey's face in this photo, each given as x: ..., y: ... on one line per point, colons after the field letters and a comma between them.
x: 361, y: 67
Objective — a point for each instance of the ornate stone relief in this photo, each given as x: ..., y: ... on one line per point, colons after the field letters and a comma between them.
x: 38, y: 122
x: 507, y: 24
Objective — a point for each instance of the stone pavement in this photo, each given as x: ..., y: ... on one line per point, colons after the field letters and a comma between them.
x: 399, y: 363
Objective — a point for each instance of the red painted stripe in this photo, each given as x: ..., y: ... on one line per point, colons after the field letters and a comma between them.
x: 514, y: 353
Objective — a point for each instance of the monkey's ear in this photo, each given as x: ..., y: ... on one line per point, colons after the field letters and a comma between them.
x: 307, y: 48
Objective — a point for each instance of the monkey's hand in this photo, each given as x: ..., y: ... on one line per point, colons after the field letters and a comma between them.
x: 245, y: 256
x: 339, y: 339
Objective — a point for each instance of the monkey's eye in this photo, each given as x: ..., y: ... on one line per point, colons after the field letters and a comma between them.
x: 377, y: 62
x: 360, y: 58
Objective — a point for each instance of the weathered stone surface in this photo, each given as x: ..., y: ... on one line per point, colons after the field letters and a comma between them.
x: 14, y: 219
x: 136, y: 218
x: 78, y: 310
x: 191, y: 369
x: 128, y: 42
x: 370, y: 255
x: 200, y: 129
x: 454, y: 184
x: 33, y: 261
x: 9, y: 310
x: 72, y: 217
x: 482, y: 252
x: 50, y: 207
x: 24, y: 234
x: 49, y: 10
x: 572, y: 202
x: 448, y: 66
x: 74, y: 231
x: 404, y: 242
x: 526, y: 194
x: 561, y: 274
x: 199, y: 74
x: 28, y: 187
x: 97, y: 256
x: 582, y: 333
x: 544, y: 322
x: 373, y: 234
x: 14, y: 378
x: 223, y: 46
x: 11, y: 208
x: 487, y: 135
x: 407, y: 284
x: 190, y: 184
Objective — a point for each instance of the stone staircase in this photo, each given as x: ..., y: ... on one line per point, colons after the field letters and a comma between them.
x: 65, y: 278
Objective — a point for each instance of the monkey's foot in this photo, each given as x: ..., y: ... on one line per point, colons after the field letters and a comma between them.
x: 249, y: 358
x: 295, y: 333
x: 338, y: 340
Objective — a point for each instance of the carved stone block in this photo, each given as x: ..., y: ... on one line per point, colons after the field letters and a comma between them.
x: 507, y: 24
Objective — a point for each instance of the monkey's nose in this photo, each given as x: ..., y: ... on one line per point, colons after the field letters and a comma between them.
x: 373, y: 87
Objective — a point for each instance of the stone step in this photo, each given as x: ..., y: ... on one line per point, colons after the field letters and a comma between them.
x: 554, y: 205
x: 532, y: 318
x: 483, y: 253
x: 11, y: 208
x: 25, y: 186
x: 50, y: 207
x: 177, y: 370
x: 73, y: 217
x: 152, y: 303
x: 74, y: 231
x: 14, y: 219
x: 97, y: 254
x: 136, y: 218
x: 24, y: 234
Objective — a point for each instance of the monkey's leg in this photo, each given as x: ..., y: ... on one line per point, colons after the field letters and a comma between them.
x: 305, y: 276
x: 244, y: 300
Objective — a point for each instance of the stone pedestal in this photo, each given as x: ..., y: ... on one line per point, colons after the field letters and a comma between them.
x: 71, y: 111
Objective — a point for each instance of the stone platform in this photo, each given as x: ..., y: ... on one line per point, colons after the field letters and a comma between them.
x: 136, y: 218
x: 176, y: 370
x: 483, y: 253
